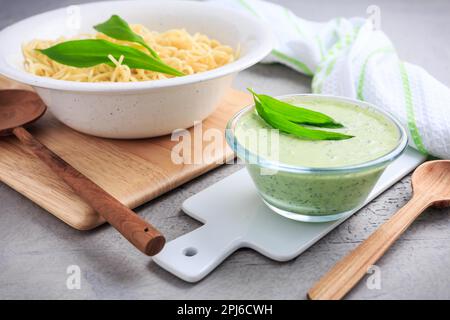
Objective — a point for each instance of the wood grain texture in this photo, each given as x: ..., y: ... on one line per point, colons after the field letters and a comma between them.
x: 138, y: 231
x: 19, y: 108
x: 132, y: 171
x: 351, y: 269
x: 430, y: 183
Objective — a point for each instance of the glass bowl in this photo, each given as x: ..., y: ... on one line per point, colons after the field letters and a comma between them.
x: 314, y: 194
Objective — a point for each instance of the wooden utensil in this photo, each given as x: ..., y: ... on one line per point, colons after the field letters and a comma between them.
x: 431, y: 187
x: 19, y: 108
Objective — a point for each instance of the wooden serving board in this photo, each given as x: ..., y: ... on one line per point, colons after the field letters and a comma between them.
x: 133, y: 171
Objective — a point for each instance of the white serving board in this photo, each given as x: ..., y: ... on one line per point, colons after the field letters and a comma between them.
x: 235, y: 217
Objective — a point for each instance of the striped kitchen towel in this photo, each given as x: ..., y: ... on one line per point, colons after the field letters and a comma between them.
x: 349, y: 57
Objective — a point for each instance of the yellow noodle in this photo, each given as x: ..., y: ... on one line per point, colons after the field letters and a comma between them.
x: 177, y: 48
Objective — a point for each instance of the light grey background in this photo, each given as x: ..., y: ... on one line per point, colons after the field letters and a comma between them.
x: 36, y: 248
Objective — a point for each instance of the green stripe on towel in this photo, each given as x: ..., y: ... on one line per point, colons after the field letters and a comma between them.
x: 334, y: 51
x: 362, y: 75
x: 248, y: 7
x: 410, y: 110
x: 297, y: 63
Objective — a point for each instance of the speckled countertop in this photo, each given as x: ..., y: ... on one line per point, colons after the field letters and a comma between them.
x: 36, y: 248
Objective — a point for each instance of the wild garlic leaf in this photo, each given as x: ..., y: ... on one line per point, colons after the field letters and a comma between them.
x: 92, y: 52
x: 278, y: 121
x: 297, y: 114
x: 117, y: 28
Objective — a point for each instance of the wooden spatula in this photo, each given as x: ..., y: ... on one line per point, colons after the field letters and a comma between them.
x: 431, y: 187
x: 19, y: 108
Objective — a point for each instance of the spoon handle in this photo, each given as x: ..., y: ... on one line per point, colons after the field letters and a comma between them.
x: 347, y: 272
x: 139, y: 232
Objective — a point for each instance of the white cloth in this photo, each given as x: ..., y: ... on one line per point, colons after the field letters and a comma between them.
x: 348, y: 57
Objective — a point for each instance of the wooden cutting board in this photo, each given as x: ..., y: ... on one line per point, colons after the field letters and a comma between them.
x: 133, y: 171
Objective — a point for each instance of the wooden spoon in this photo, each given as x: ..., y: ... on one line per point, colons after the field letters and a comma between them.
x: 431, y: 187
x: 21, y: 107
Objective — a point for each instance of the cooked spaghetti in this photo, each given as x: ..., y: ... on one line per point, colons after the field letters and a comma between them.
x: 185, y: 52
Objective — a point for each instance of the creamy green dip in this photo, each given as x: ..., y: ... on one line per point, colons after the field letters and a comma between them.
x: 319, y: 193
x: 374, y: 136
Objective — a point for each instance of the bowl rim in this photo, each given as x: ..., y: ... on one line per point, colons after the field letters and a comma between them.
x: 266, y: 163
x: 263, y: 47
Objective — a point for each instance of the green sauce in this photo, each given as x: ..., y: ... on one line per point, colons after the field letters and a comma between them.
x: 320, y: 193
x: 374, y: 136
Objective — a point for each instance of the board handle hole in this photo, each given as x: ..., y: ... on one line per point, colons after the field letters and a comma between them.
x: 190, y: 252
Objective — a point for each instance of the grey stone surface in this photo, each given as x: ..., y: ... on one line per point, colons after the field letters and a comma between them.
x: 36, y: 248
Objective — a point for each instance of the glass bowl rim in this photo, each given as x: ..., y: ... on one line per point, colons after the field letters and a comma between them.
x: 279, y: 166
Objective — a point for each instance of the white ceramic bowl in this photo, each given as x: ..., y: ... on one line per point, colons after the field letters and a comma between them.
x: 142, y: 109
